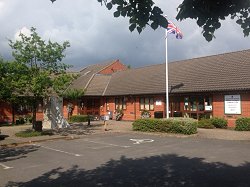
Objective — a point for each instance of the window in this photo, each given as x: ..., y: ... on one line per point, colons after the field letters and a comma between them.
x: 208, y: 103
x: 107, y: 104
x: 120, y: 103
x: 186, y: 103
x: 146, y: 103
x: 193, y: 104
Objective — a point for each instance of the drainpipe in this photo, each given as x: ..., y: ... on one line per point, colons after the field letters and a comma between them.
x: 135, y: 107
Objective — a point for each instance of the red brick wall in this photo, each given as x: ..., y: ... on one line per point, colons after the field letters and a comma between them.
x: 219, y: 110
x: 132, y: 110
x: 116, y: 66
x: 65, y: 111
x: 5, y: 113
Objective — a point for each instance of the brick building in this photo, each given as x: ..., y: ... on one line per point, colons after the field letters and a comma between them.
x: 217, y: 86
x: 212, y: 86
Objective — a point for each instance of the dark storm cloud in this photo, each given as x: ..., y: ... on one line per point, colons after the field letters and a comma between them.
x: 96, y: 36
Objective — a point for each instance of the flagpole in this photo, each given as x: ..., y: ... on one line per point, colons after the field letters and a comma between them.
x: 167, y: 97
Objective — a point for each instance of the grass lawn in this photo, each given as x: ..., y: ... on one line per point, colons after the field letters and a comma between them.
x: 31, y: 133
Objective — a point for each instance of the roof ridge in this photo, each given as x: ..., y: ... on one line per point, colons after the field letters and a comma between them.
x: 209, y: 56
x: 107, y: 85
x: 91, y: 78
x: 112, y: 62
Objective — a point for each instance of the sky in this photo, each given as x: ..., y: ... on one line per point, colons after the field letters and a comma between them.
x: 96, y: 36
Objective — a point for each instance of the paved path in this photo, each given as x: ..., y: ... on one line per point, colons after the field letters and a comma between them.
x: 80, y: 130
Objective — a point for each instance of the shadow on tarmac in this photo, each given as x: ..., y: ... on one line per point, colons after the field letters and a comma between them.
x: 14, y: 153
x: 164, y: 170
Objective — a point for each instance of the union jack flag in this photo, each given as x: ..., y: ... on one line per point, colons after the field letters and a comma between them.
x: 172, y: 29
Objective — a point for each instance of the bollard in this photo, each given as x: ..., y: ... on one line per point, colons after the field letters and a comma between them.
x: 105, y: 125
x: 88, y: 120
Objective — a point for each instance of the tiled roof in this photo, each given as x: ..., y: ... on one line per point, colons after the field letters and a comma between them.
x: 144, y: 80
x: 87, y: 74
x: 98, y: 85
x: 222, y: 72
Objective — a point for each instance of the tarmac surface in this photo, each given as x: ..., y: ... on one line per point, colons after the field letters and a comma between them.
x: 97, y: 127
x: 90, y: 156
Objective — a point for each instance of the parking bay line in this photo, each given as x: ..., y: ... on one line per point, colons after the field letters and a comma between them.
x: 57, y: 150
x: 107, y: 144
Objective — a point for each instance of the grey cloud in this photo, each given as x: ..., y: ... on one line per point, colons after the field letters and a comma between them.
x: 96, y: 36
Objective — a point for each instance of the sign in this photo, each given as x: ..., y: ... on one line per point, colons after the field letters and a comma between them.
x: 158, y: 103
x: 209, y: 107
x: 232, y: 104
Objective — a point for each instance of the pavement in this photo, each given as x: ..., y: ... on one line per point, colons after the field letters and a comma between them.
x: 77, y: 131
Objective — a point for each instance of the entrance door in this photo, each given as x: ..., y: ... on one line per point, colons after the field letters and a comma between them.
x: 93, y: 106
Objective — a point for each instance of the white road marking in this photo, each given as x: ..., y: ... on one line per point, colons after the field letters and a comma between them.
x: 5, y: 167
x: 57, y: 150
x: 125, y: 146
x: 139, y: 141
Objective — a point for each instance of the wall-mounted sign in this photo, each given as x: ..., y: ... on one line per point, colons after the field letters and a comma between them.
x: 232, y: 104
x: 209, y: 107
x: 158, y: 102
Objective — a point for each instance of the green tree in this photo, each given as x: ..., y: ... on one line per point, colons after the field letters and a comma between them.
x: 46, y: 72
x: 208, y: 14
x: 74, y: 95
x: 13, y: 77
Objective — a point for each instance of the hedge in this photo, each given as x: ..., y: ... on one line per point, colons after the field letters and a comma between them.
x: 242, y: 124
x: 205, y: 123
x: 212, y: 123
x: 78, y: 118
x: 173, y: 125
x: 219, y: 122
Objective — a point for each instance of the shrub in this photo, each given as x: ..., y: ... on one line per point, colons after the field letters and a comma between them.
x: 219, y: 122
x: 183, y: 126
x: 78, y: 118
x: 32, y: 133
x: 243, y: 124
x: 206, y: 124
x: 145, y: 114
x: 178, y: 125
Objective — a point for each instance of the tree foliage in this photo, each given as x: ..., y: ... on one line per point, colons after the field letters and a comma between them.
x: 73, y: 94
x: 13, y: 77
x: 45, y: 72
x: 208, y: 14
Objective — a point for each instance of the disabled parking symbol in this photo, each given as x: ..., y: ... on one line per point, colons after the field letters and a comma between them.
x: 140, y: 141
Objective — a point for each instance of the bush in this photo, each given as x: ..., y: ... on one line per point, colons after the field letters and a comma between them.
x: 206, y: 124
x: 32, y: 133
x: 78, y: 118
x: 145, y: 114
x: 243, y: 124
x: 219, y: 122
x: 175, y: 125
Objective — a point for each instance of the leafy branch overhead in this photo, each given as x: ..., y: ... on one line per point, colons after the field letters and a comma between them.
x: 208, y: 14
x: 140, y: 12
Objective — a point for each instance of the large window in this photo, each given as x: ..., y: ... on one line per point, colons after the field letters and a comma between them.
x: 146, y: 103
x: 120, y: 103
x: 198, y: 107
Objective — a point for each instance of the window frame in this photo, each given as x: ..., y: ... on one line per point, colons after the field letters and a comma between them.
x: 151, y: 103
x: 120, y: 103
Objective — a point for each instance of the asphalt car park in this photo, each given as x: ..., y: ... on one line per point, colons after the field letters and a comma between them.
x: 127, y: 159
